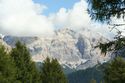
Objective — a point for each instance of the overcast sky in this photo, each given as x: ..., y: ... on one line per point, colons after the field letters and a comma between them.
x: 42, y: 17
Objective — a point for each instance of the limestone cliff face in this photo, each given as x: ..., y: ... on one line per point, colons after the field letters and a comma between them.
x: 74, y: 49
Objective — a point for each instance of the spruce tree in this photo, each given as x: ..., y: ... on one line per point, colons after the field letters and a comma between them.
x: 52, y: 72
x: 103, y: 11
x: 26, y: 69
x: 115, y: 71
x: 7, y: 67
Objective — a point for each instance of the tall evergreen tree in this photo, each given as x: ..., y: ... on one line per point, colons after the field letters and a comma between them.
x: 103, y: 11
x: 52, y: 72
x: 115, y: 71
x: 7, y: 67
x: 26, y: 69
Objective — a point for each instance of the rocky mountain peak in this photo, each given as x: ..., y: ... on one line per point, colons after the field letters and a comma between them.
x: 73, y: 49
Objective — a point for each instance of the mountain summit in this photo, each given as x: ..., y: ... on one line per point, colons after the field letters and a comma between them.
x: 73, y: 49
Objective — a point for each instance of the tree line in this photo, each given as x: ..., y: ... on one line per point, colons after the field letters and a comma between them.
x: 17, y: 67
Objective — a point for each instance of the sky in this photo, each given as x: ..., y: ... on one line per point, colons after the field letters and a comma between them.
x: 54, y: 5
x: 43, y: 17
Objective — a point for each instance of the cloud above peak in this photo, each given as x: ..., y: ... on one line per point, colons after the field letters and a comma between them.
x: 74, y: 18
x: 23, y: 18
x: 26, y: 18
x: 77, y: 18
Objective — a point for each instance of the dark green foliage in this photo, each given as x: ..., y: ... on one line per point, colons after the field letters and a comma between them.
x: 7, y: 67
x: 117, y: 46
x: 105, y: 47
x: 17, y: 67
x: 26, y: 69
x: 115, y: 71
x: 52, y: 72
x: 86, y: 76
x: 103, y: 10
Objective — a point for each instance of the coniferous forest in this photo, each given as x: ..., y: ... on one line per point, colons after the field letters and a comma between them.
x: 16, y: 66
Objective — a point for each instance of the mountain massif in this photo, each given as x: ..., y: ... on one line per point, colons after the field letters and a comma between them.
x: 73, y: 49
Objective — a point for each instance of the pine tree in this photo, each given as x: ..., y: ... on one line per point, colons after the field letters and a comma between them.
x: 52, y: 72
x: 7, y: 67
x: 26, y: 69
x: 104, y: 10
x: 115, y: 71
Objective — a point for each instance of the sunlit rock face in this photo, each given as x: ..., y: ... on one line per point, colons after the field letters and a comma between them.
x: 74, y: 49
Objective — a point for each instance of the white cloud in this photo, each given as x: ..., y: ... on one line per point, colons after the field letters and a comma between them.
x: 23, y: 18
x: 77, y: 18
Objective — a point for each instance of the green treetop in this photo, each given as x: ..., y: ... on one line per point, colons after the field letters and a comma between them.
x: 26, y: 69
x: 115, y: 71
x: 52, y: 72
x: 7, y: 67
